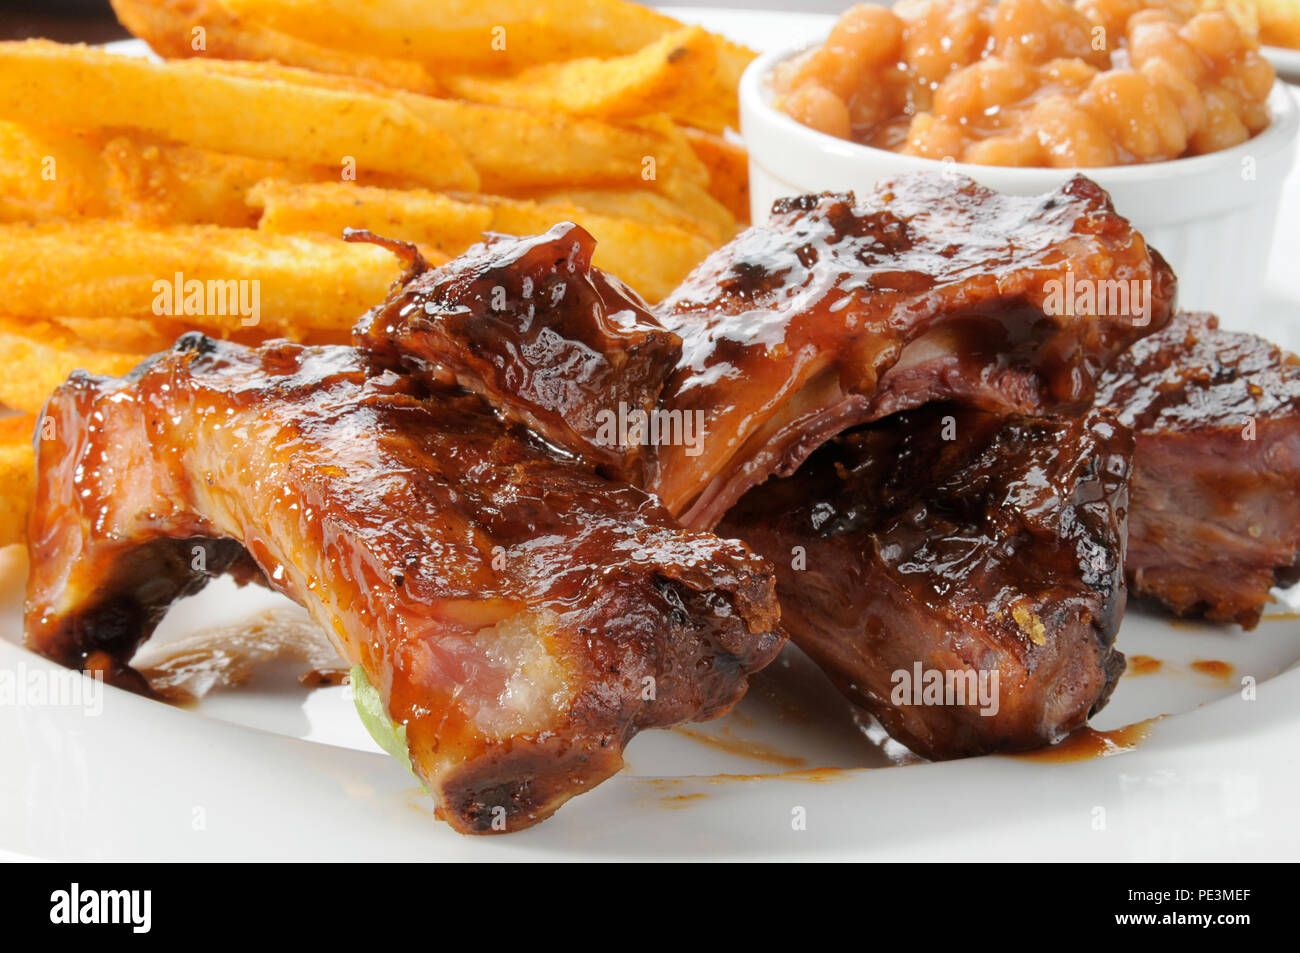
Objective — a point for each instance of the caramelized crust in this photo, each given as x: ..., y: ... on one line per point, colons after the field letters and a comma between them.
x: 521, y: 617
x: 1216, y: 483
x: 841, y: 311
x: 529, y: 324
x: 958, y: 543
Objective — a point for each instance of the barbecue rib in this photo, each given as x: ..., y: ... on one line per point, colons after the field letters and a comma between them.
x: 952, y: 542
x: 839, y: 312
x: 520, y: 616
x: 1215, y: 518
x: 530, y: 325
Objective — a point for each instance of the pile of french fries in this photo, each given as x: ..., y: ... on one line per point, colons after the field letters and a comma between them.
x: 269, y: 126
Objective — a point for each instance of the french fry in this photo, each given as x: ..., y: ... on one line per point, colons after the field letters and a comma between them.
x: 652, y: 258
x: 515, y: 148
x: 47, y: 354
x: 283, y: 285
x: 63, y: 174
x: 675, y: 75
x: 17, y: 476
x: 709, y: 219
x: 685, y: 72
x: 431, y: 220
x: 501, y: 36
x: 169, y: 27
x: 728, y: 165
x: 75, y: 86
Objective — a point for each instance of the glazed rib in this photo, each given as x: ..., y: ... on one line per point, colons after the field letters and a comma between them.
x: 1215, y: 517
x: 841, y: 311
x: 958, y: 545
x: 531, y: 326
x: 522, y: 617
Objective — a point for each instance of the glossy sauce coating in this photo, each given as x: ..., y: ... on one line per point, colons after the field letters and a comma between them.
x: 843, y: 310
x: 957, y: 543
x: 520, y: 616
x: 1216, y: 486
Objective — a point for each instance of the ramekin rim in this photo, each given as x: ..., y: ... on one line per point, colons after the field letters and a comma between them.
x: 1284, y: 124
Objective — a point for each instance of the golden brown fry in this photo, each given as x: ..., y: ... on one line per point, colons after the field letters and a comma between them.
x: 709, y: 220
x: 17, y: 476
x: 515, y: 148
x: 244, y: 279
x: 675, y: 74
x: 76, y: 86
x: 652, y: 258
x: 503, y: 35
x: 48, y: 353
x: 169, y: 26
x: 51, y: 174
x: 728, y: 165
x: 430, y: 219
x: 123, y: 335
x: 64, y: 174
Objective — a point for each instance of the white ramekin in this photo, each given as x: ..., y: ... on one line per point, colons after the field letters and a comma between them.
x: 1211, y: 216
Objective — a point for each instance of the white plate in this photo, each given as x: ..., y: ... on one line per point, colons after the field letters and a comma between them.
x: 273, y: 770
x: 1285, y: 61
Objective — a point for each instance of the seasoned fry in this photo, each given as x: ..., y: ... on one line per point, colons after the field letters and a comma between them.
x: 17, y: 476
x: 728, y: 165
x: 427, y: 218
x: 62, y: 174
x: 685, y: 72
x: 675, y: 74
x: 708, y: 219
x: 516, y: 148
x: 499, y: 36
x: 278, y: 284
x: 76, y: 86
x: 169, y: 26
x: 48, y: 353
x: 652, y: 258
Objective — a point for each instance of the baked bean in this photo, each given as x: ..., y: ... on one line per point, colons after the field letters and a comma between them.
x: 935, y: 138
x: 1036, y: 31
x: 1065, y: 83
x: 982, y: 86
x: 820, y: 109
x: 1072, y: 137
x: 1018, y: 150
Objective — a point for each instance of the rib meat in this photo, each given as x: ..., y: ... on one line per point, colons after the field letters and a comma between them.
x: 530, y: 325
x: 521, y: 617
x: 839, y: 312
x: 1215, y: 519
x: 942, y: 543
